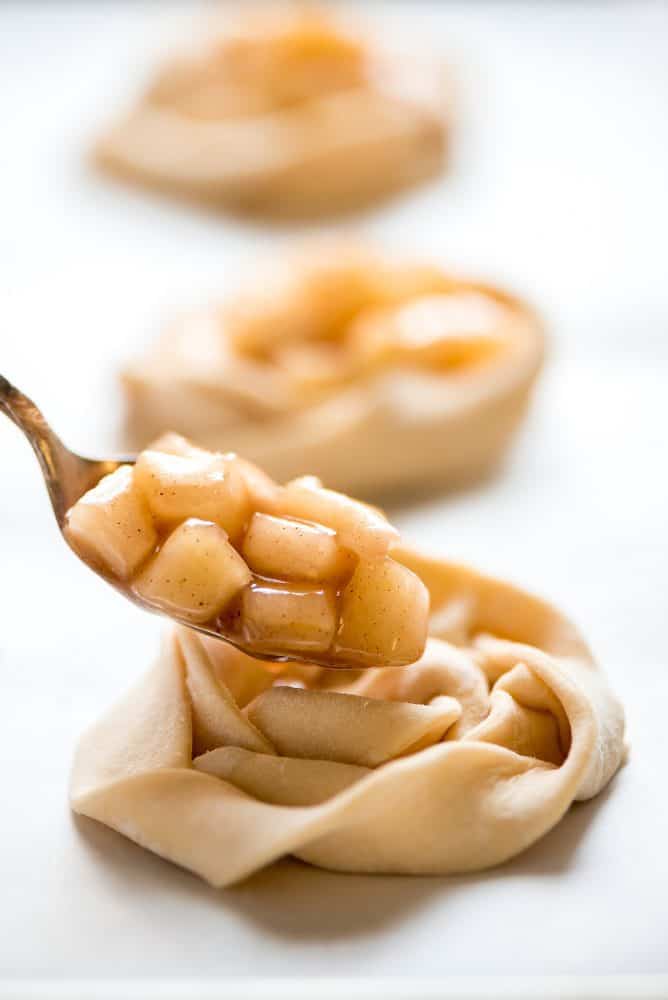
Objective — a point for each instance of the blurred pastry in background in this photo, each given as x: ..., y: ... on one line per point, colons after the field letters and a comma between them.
x: 373, y: 374
x: 285, y: 113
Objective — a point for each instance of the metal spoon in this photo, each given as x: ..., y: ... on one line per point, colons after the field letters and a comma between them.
x: 68, y: 476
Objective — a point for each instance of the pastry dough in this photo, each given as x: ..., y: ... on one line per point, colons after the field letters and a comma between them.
x: 223, y: 764
x: 285, y: 113
x: 373, y: 375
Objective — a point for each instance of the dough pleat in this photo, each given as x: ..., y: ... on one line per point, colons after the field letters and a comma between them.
x: 346, y: 728
x: 283, y: 781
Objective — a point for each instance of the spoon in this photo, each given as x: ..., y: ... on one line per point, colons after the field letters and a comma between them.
x: 68, y: 476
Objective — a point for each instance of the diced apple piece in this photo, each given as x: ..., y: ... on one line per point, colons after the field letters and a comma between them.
x: 207, y: 486
x: 448, y: 330
x: 195, y: 574
x: 309, y: 299
x: 261, y: 488
x: 361, y: 528
x: 263, y: 492
x: 368, y: 341
x: 288, y: 619
x: 437, y: 331
x: 283, y: 549
x: 314, y: 366
x: 112, y: 524
x: 384, y: 615
x: 396, y: 283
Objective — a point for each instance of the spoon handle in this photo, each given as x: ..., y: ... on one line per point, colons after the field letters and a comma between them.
x: 67, y: 475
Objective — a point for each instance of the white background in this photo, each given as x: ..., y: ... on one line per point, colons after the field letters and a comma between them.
x: 558, y: 187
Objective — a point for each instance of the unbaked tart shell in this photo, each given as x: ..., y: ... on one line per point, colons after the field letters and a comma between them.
x: 223, y: 764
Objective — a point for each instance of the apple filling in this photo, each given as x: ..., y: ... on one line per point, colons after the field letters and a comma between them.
x: 332, y: 322
x: 298, y: 570
x: 267, y: 64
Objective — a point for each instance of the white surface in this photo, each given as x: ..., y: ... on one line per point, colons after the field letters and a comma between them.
x: 559, y: 187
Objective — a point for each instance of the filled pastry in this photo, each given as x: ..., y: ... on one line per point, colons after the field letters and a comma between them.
x: 222, y: 763
x: 372, y: 374
x: 285, y: 112
x: 296, y: 570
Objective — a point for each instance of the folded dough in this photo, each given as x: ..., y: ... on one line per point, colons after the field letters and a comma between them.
x: 374, y: 374
x: 452, y: 764
x: 285, y: 113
